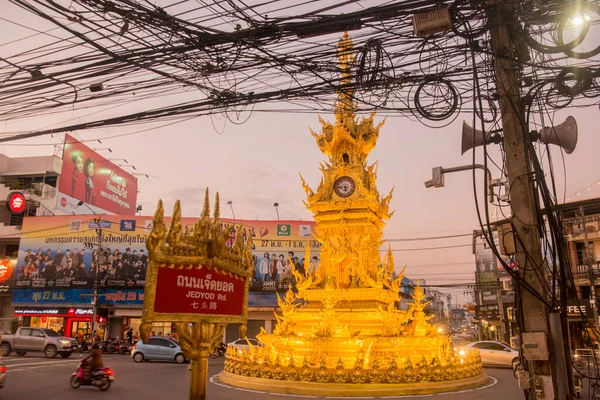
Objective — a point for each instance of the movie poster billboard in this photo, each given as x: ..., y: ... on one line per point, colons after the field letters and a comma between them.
x: 62, y: 252
x: 87, y: 176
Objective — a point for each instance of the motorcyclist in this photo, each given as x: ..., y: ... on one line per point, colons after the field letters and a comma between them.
x: 93, y: 361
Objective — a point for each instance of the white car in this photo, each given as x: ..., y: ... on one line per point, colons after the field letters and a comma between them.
x: 243, y: 344
x: 496, y: 354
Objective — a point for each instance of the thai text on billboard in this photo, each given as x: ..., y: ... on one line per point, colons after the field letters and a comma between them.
x: 87, y: 176
x: 61, y: 252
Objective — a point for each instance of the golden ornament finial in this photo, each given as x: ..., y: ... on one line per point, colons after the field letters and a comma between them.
x: 345, y: 58
x: 206, y: 209
x: 217, y: 214
x: 157, y: 234
x: 175, y: 229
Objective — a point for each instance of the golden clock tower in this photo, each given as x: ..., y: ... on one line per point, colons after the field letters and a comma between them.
x: 347, y: 208
x: 343, y: 326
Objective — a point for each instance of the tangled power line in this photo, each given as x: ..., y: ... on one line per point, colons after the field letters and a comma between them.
x: 228, y: 57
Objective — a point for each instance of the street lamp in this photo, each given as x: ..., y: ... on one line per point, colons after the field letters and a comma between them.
x: 230, y: 203
x: 437, y: 177
x: 143, y: 174
x: 126, y: 165
x: 103, y: 148
x: 276, y: 205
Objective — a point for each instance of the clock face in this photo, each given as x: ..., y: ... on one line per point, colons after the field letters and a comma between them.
x: 344, y: 186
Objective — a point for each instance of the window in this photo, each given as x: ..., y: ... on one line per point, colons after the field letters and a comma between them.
x: 17, y: 219
x: 497, y: 347
x: 11, y: 250
x: 25, y: 332
x: 153, y: 341
x: 36, y: 333
x: 581, y: 255
x: 585, y: 292
x: 50, y: 332
x: 162, y: 328
x: 165, y: 343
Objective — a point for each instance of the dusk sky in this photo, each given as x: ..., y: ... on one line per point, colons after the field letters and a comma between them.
x: 256, y: 163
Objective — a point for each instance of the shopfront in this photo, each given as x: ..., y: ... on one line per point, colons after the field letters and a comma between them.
x: 581, y: 323
x: 70, y: 321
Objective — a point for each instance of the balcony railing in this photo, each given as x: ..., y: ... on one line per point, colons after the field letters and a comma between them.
x: 586, y: 271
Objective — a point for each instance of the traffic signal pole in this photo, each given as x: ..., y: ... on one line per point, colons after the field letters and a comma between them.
x: 543, y: 381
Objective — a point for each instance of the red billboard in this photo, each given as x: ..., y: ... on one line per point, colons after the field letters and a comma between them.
x: 198, y: 291
x: 87, y: 176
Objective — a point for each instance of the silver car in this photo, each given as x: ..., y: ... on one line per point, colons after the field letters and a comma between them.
x: 158, y: 349
x: 496, y: 354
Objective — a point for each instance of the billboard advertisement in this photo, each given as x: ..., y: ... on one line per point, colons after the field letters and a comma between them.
x: 87, y: 176
x: 61, y: 252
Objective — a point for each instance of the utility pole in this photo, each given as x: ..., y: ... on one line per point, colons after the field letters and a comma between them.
x: 100, y: 259
x: 541, y: 382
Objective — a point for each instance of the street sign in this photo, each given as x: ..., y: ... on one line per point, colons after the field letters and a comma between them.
x: 488, y: 312
x: 198, y: 290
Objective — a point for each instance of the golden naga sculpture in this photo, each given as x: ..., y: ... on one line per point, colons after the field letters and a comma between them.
x: 185, y: 270
x: 343, y: 325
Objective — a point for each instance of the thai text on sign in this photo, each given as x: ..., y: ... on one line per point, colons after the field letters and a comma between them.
x: 198, y: 290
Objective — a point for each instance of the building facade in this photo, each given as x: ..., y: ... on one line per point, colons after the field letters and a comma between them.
x: 581, y: 222
x: 36, y: 178
x: 493, y: 293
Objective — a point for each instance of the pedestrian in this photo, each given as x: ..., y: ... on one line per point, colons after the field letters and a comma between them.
x: 130, y: 335
x: 159, y: 334
x: 153, y: 334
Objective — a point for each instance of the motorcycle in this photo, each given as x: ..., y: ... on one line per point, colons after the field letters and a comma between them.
x: 221, y: 350
x: 110, y: 346
x: 100, y: 378
x: 125, y: 347
x: 83, y: 346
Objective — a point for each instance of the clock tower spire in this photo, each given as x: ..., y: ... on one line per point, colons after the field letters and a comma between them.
x: 347, y: 207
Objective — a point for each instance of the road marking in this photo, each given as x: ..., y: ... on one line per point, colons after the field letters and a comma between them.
x: 42, y: 363
x: 493, y: 382
x: 30, y: 368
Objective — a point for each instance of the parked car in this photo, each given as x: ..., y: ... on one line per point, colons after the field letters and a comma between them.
x: 584, y: 358
x: 459, y: 342
x: 242, y: 343
x: 38, y: 339
x: 587, y: 354
x: 496, y: 354
x: 158, y: 349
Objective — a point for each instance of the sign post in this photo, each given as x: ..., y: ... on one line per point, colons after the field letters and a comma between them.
x: 197, y: 282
